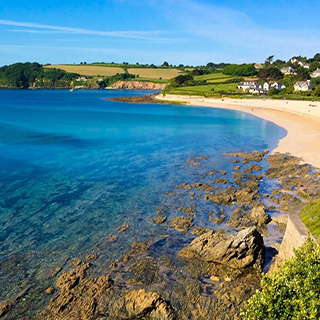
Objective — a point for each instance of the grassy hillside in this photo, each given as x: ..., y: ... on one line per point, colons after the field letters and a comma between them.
x: 88, y: 70
x: 156, y: 73
x: 310, y: 216
x: 107, y: 70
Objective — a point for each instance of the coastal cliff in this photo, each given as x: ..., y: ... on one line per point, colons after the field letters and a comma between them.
x: 137, y: 85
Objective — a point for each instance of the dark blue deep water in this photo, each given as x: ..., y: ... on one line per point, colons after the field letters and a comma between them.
x: 74, y: 166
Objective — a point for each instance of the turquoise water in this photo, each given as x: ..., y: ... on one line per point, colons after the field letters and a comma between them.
x: 75, y: 166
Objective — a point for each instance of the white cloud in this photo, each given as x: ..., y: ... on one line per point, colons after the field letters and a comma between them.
x: 138, y: 35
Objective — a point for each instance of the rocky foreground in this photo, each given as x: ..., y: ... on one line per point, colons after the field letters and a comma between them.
x: 171, y: 277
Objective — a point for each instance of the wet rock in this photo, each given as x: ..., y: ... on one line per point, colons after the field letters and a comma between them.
x: 182, y: 224
x: 246, y: 196
x: 144, y: 272
x: 193, y: 162
x: 214, y: 278
x: 256, y: 156
x: 199, y: 231
x: 221, y: 181
x: 49, y: 290
x: 253, y: 167
x: 113, y: 238
x: 220, y: 197
x: 71, y: 279
x: 183, y: 186
x: 75, y: 262
x: 91, y: 257
x: 141, y: 304
x: 5, y: 309
x: 189, y: 211
x: 160, y: 211
x: 123, y: 227
x: 77, y: 296
x: 204, y: 187
x: 159, y: 219
x: 139, y: 247
x: 259, y: 215
x: 56, y: 271
x: 244, y: 249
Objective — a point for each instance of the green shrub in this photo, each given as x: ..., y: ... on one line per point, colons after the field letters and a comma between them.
x: 291, y: 293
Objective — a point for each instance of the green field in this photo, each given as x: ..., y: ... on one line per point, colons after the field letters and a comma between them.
x: 155, y: 73
x: 205, y: 89
x: 214, y: 77
x: 310, y: 216
x: 88, y: 70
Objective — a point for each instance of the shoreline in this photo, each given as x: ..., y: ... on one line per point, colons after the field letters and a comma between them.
x: 298, y: 118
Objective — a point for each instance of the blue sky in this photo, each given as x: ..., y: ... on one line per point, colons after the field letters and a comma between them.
x: 191, y: 32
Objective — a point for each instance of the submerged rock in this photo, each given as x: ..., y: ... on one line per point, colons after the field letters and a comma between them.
x: 159, y: 219
x: 244, y: 249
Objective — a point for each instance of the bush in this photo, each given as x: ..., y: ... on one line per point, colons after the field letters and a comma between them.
x: 291, y: 293
x: 317, y: 91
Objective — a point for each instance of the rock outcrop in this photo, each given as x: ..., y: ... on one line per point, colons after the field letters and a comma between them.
x: 142, y: 303
x: 244, y: 249
x: 137, y: 85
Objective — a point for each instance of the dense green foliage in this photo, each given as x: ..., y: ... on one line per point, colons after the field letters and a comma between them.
x: 107, y: 82
x: 291, y: 293
x: 270, y: 74
x: 19, y: 75
x: 199, y: 71
x: 240, y: 70
x: 317, y: 91
x: 25, y: 75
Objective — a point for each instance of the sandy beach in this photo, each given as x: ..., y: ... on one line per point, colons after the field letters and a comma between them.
x: 301, y: 120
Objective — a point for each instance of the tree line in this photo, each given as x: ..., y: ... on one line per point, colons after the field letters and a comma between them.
x: 25, y: 75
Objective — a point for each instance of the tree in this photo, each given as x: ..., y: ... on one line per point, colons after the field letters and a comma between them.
x: 165, y: 64
x: 270, y: 74
x: 302, y: 73
x: 316, y: 57
x: 291, y: 293
x: 269, y: 60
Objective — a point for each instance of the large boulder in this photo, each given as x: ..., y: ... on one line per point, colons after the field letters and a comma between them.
x: 244, y: 249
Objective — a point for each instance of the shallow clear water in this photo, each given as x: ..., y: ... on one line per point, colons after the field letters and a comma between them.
x: 75, y: 166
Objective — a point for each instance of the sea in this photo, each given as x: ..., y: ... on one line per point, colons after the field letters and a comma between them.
x: 74, y: 166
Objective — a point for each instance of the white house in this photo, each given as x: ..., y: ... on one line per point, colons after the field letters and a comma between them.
x: 82, y: 79
x: 246, y: 85
x: 258, y: 66
x: 266, y: 86
x: 288, y: 70
x: 303, y: 85
x: 277, y: 85
x: 316, y: 73
x: 304, y: 64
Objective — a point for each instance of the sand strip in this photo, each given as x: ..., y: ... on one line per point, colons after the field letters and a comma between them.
x: 301, y: 120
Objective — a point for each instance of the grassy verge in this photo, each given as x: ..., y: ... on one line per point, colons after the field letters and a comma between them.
x: 310, y: 216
